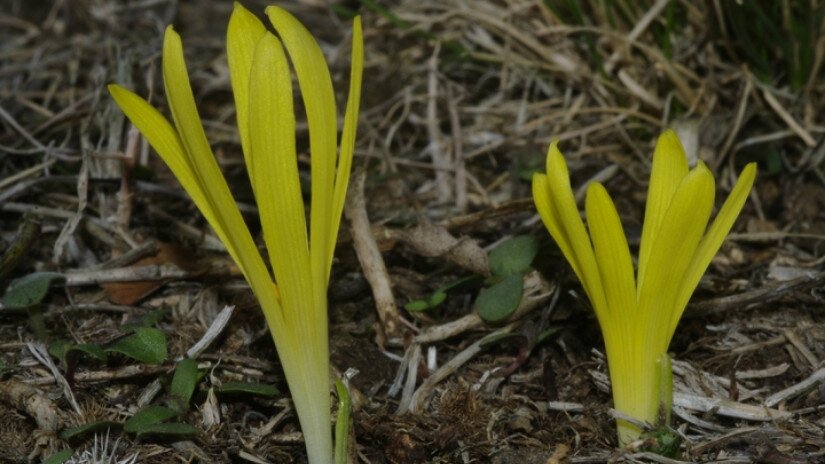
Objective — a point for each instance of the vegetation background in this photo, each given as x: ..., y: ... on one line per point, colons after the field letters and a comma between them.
x: 461, y: 99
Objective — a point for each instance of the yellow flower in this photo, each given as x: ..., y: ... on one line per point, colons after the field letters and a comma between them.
x: 295, y: 307
x: 638, y: 313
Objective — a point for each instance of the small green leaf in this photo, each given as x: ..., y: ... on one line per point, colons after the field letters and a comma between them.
x: 60, y: 457
x: 436, y: 299
x: 513, y: 256
x: 260, y: 389
x: 498, y: 302
x: 415, y: 306
x: 86, y: 428
x: 184, y: 382
x: 29, y: 290
x: 147, y: 345
x: 438, y: 296
x: 64, y: 349
x: 172, y: 429
x: 666, y: 442
x: 150, y: 415
x: 58, y: 349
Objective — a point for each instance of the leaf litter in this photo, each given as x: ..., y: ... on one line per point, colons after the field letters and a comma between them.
x: 463, y: 99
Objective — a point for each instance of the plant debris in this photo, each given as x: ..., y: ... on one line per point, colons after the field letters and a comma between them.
x: 461, y: 100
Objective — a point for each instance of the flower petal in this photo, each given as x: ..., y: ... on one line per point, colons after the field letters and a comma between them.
x: 281, y: 205
x: 713, y: 240
x: 347, y: 149
x: 163, y: 138
x: 319, y: 102
x: 568, y: 218
x: 549, y: 216
x: 669, y: 168
x: 242, y: 35
x: 616, y: 271
x: 188, y: 124
x: 675, y: 243
x: 671, y: 254
x: 612, y: 253
x: 302, y: 346
x: 226, y: 219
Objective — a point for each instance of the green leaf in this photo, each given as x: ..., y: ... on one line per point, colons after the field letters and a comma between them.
x: 665, y: 442
x: 62, y: 349
x: 415, y: 306
x: 29, y: 290
x: 438, y: 296
x: 58, y: 349
x: 173, y: 429
x: 342, y: 423
x: 60, y: 457
x: 513, y: 256
x: 86, y: 428
x: 184, y: 382
x: 260, y: 389
x: 436, y: 299
x: 148, y: 416
x: 498, y: 302
x: 147, y: 345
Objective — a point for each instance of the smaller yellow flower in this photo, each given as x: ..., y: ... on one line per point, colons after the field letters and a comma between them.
x: 638, y: 313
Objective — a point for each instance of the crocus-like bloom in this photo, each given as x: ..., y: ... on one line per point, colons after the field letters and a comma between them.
x: 295, y: 307
x: 638, y: 313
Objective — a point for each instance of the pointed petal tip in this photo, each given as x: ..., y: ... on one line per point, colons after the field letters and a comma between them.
x: 239, y: 10
x: 171, y: 36
x: 700, y: 165
x: 702, y: 172
x: 555, y: 158
x: 668, y: 143
x: 748, y: 175
x: 751, y: 169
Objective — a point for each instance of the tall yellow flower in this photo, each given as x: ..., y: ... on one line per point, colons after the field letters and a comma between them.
x: 638, y: 313
x: 294, y: 298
